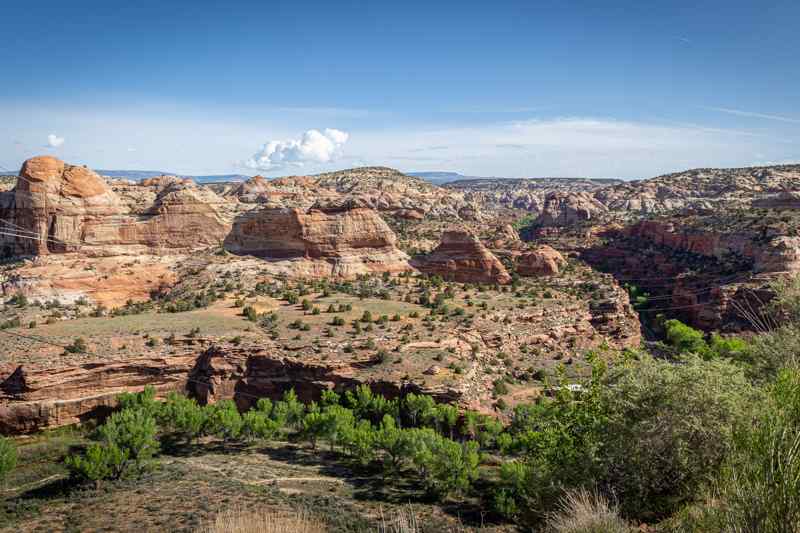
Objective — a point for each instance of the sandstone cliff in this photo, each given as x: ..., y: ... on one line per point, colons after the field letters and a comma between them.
x: 340, y: 242
x: 57, y: 208
x: 462, y: 257
x: 767, y: 254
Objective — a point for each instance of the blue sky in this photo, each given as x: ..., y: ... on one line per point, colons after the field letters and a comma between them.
x: 527, y: 88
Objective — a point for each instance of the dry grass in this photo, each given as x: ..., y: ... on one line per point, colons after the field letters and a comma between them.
x: 239, y: 520
x: 582, y: 511
x: 404, y: 521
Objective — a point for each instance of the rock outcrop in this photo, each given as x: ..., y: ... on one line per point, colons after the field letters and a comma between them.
x: 57, y: 208
x: 704, y: 188
x: 505, y: 237
x: 342, y: 242
x: 462, y: 257
x: 767, y: 254
x: 564, y: 209
x: 38, y: 397
x: 379, y: 188
x: 34, y: 398
x: 782, y: 200
x: 542, y: 261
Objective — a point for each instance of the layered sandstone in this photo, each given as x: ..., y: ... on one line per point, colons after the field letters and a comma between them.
x: 704, y: 188
x: 782, y: 200
x: 462, y: 257
x: 564, y: 209
x: 58, y: 208
x: 39, y: 397
x: 505, y: 237
x: 542, y: 261
x: 344, y: 242
x: 767, y: 253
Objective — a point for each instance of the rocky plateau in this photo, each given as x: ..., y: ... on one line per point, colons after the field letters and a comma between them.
x: 528, y: 275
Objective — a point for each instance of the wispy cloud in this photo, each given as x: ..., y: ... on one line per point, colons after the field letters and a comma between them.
x: 512, y: 146
x: 752, y: 114
x: 570, y: 146
x: 430, y: 148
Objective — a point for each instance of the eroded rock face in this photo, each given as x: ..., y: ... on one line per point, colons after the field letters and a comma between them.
x: 34, y: 398
x: 505, y: 237
x: 379, y: 188
x: 58, y: 208
x: 351, y: 240
x: 53, y: 202
x: 543, y: 261
x: 462, y: 257
x: 564, y: 209
x: 777, y: 253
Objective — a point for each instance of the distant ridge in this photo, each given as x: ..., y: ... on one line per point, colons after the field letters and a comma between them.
x: 455, y: 179
x: 138, y: 175
x: 440, y: 178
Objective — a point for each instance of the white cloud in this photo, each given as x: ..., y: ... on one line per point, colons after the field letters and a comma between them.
x: 313, y: 147
x: 54, y: 141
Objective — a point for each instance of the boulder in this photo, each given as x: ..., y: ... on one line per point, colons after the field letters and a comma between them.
x: 543, y: 261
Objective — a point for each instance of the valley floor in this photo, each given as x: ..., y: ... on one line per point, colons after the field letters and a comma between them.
x: 185, y: 490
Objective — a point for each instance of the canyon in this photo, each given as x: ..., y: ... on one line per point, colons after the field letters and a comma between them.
x: 445, y: 288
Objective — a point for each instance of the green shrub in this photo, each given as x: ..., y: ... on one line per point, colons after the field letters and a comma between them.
x: 443, y: 465
x: 97, y: 463
x: 767, y: 354
x: 77, y: 346
x: 126, y: 441
x: 649, y: 432
x: 759, y: 487
x: 144, y: 400
x: 685, y: 338
x: 257, y: 425
x: 250, y: 313
x: 223, y: 420
x: 669, y: 427
x: 182, y: 416
x: 8, y: 457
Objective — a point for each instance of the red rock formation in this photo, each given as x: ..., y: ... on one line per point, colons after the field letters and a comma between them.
x: 52, y: 201
x: 351, y: 240
x: 779, y: 253
x: 505, y: 237
x: 58, y: 208
x: 33, y: 398
x: 543, y: 261
x: 462, y: 257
